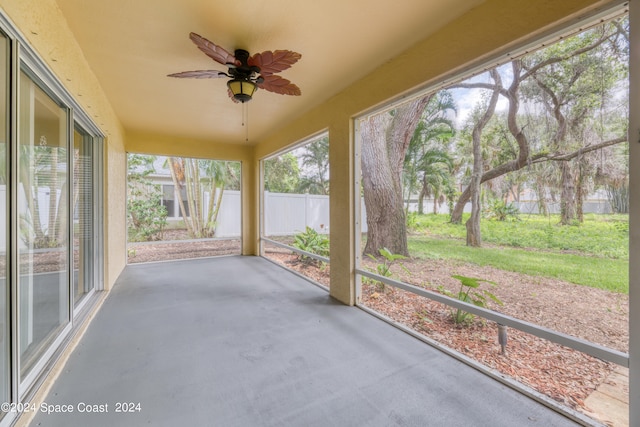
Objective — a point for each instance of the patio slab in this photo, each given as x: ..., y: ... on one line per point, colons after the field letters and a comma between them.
x: 239, y: 341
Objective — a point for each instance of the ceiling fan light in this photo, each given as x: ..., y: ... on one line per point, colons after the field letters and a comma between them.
x: 242, y: 90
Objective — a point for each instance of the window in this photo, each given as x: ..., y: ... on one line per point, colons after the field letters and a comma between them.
x: 168, y: 199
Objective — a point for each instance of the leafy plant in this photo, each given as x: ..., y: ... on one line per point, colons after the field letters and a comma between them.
x: 384, y: 268
x: 469, y: 292
x: 412, y: 221
x: 311, y: 241
x: 500, y: 210
x: 146, y: 216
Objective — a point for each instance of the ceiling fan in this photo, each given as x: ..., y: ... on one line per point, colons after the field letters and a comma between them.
x: 247, y: 73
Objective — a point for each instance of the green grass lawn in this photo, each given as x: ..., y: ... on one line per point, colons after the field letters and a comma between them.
x: 594, y: 253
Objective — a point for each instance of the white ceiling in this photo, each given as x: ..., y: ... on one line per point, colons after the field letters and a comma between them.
x: 132, y: 45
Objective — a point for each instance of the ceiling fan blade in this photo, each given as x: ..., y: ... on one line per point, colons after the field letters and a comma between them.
x: 279, y: 85
x: 200, y: 74
x: 274, y: 62
x: 214, y: 51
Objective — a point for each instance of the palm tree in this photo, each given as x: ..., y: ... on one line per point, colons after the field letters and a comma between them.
x: 316, y: 158
x: 219, y: 174
x: 194, y: 175
x: 436, y: 166
x: 427, y: 164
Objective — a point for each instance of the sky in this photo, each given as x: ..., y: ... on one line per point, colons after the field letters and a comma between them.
x: 467, y: 99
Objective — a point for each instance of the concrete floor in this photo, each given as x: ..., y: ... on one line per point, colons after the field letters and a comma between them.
x: 238, y: 341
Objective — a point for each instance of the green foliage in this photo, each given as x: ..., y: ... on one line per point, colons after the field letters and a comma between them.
x: 315, y: 161
x: 311, y: 241
x: 599, y: 235
x: 499, y: 210
x: 281, y: 174
x: 384, y: 268
x: 603, y: 273
x: 428, y: 165
x: 471, y: 293
x: 412, y: 221
x: 146, y: 216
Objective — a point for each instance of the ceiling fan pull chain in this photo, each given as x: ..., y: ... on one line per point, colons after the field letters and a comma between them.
x: 245, y: 120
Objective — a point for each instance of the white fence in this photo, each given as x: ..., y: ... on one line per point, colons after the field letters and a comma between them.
x: 284, y: 214
x: 291, y: 213
x: 229, y: 215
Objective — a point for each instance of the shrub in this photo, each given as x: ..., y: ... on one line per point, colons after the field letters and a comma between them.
x: 499, y: 210
x: 147, y: 217
x: 311, y: 241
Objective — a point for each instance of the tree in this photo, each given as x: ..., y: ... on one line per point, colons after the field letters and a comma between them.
x: 526, y: 70
x: 435, y: 166
x: 281, y: 174
x: 574, y: 92
x: 220, y: 175
x: 474, y: 237
x: 385, y: 140
x: 193, y: 175
x: 427, y: 164
x: 315, y: 161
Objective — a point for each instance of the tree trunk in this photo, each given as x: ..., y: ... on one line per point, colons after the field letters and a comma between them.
x: 192, y: 183
x: 216, y: 211
x: 580, y: 196
x: 474, y: 238
x: 385, y: 140
x: 567, y: 197
x: 174, y: 167
x: 423, y: 193
x: 543, y: 208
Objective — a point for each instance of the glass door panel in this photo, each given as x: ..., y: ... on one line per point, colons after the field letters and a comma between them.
x: 83, y: 241
x: 43, y: 224
x: 4, y: 244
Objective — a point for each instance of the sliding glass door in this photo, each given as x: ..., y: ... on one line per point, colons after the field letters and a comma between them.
x: 5, y: 378
x: 43, y: 222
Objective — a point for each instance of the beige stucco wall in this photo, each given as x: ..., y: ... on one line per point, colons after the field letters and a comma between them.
x: 42, y: 24
x: 490, y: 28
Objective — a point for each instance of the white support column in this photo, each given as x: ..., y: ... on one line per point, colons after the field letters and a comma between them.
x: 634, y: 214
